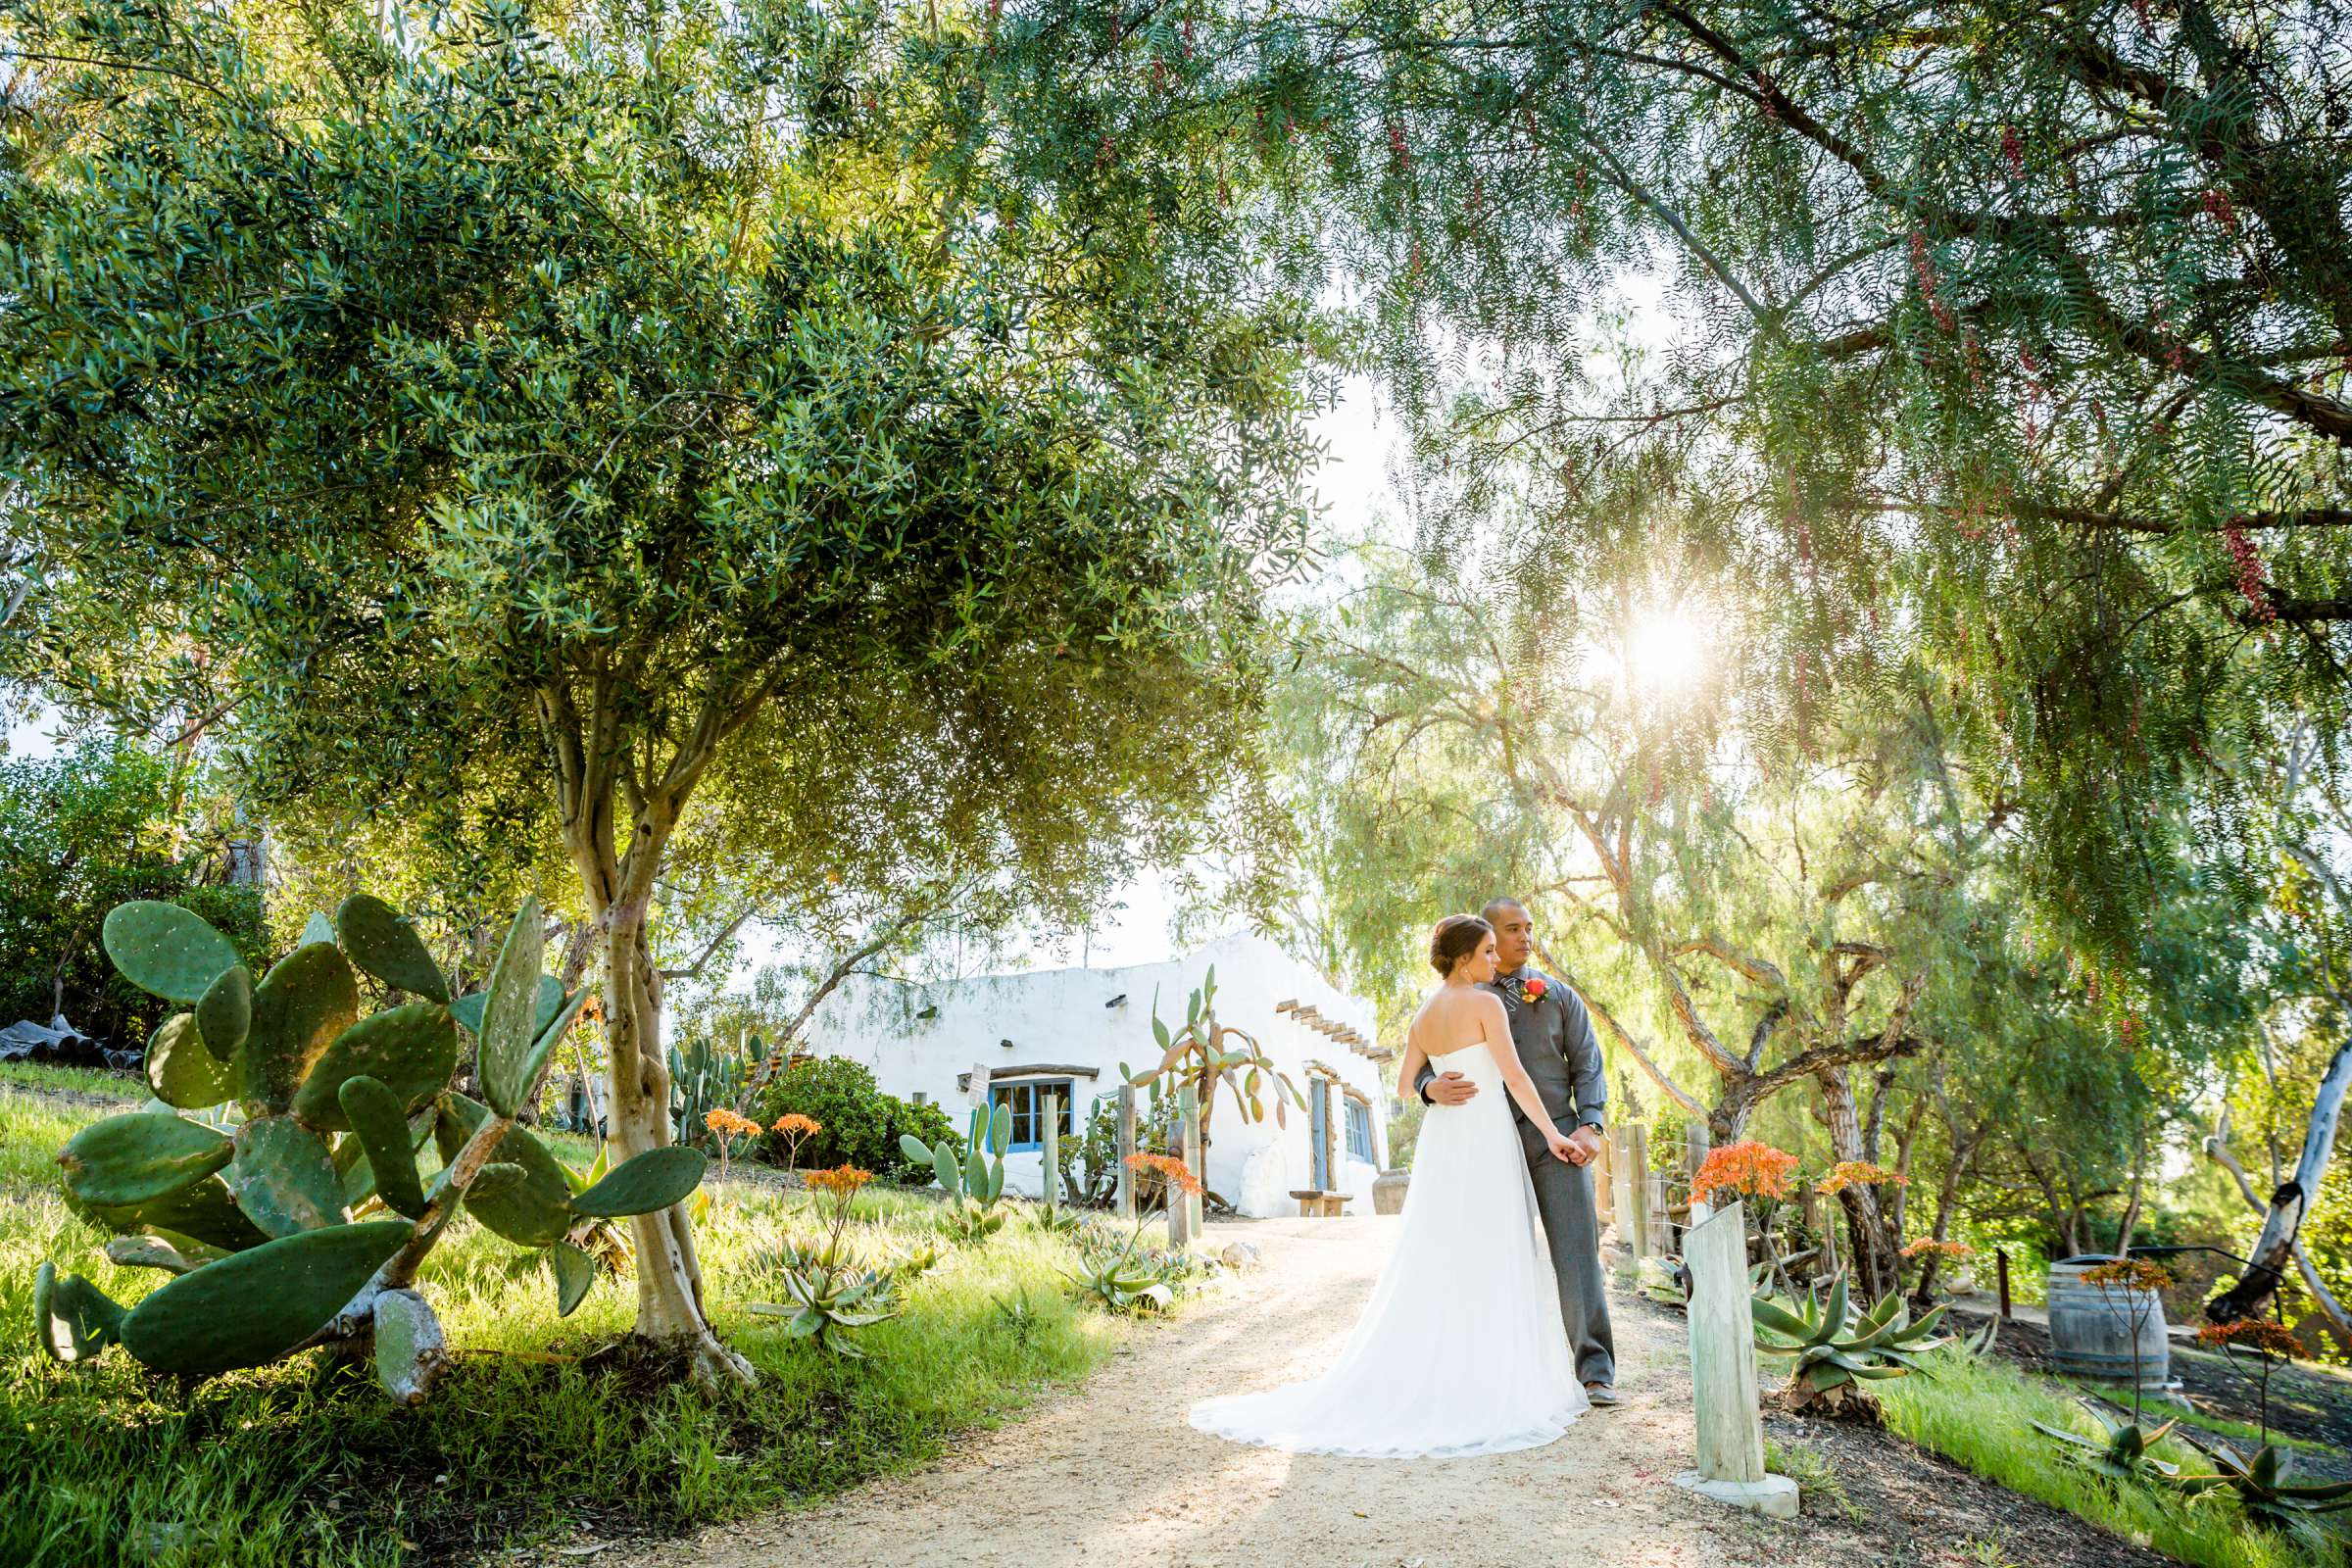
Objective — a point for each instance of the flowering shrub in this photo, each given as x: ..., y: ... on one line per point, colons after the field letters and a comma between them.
x: 2129, y: 1274
x: 1749, y: 1169
x: 1169, y: 1169
x: 795, y: 1129
x: 728, y: 1127
x: 1942, y: 1252
x: 2270, y: 1344
x: 1860, y: 1173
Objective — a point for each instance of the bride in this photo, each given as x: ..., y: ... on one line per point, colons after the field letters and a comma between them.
x: 1461, y: 1349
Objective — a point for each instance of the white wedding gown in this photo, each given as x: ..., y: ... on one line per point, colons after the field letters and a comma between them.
x: 1461, y: 1349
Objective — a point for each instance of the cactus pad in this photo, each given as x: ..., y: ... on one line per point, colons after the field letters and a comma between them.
x: 258, y: 1304
x: 493, y: 1180
x: 225, y: 1012
x: 204, y: 1211
x: 410, y: 1049
x: 383, y: 943
x: 373, y: 1111
x: 318, y: 929
x: 73, y: 1319
x: 534, y: 1213
x: 304, y: 1000
x: 410, y: 1352
x: 181, y: 1072
x: 652, y: 1180
x: 150, y: 1252
x: 511, y: 1012
x: 467, y: 1009
x: 575, y: 1272
x: 130, y: 1160
x: 283, y: 1178
x: 163, y: 949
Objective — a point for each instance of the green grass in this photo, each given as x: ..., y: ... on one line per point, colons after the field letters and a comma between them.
x: 80, y: 1080
x: 1819, y: 1491
x: 108, y: 1464
x: 1975, y: 1413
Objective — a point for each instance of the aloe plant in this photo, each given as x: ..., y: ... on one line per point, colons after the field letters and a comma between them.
x: 1835, y: 1351
x: 2123, y: 1456
x: 274, y: 1175
x: 2262, y: 1490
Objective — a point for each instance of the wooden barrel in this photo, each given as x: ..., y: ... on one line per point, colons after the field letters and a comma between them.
x: 2092, y: 1331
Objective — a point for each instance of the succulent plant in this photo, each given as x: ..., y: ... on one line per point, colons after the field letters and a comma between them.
x: 1837, y: 1351
x: 2122, y: 1456
x: 975, y: 1182
x: 704, y: 1077
x: 2263, y: 1491
x: 276, y: 1179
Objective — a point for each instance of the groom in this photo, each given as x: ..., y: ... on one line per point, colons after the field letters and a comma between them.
x: 1554, y: 1035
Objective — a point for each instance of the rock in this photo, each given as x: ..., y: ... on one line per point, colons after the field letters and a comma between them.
x: 1240, y: 1257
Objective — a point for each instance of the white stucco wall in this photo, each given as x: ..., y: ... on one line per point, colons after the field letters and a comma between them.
x: 1059, y: 1016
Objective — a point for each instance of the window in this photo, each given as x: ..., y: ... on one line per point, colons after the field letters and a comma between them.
x: 921, y: 1098
x: 1360, y: 1132
x: 1026, y: 1102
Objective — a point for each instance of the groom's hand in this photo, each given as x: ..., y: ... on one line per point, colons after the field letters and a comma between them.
x: 1450, y: 1089
x: 1586, y: 1142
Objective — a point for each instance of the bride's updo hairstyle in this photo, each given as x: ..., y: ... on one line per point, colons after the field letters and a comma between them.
x: 1457, y: 938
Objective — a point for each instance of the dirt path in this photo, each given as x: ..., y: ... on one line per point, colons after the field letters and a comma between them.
x: 1111, y: 1474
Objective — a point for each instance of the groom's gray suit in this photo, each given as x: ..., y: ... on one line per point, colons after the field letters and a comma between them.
x: 1554, y: 1036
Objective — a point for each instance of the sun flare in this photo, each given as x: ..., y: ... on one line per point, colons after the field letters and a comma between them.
x: 1665, y: 652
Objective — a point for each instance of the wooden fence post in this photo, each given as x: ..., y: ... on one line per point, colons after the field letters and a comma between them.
x: 1633, y: 1194
x: 1049, y: 1187
x: 1188, y: 1106
x: 2001, y: 1256
x: 1723, y: 1371
x: 1126, y: 1145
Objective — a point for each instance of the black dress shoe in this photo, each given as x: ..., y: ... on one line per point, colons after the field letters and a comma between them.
x: 1603, y: 1395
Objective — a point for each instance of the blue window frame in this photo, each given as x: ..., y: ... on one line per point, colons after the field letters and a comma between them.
x: 1026, y: 1101
x: 1360, y: 1132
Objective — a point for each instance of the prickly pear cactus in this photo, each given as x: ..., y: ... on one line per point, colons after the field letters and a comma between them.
x: 275, y: 1179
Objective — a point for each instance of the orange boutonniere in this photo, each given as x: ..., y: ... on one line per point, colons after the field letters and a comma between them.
x: 1534, y: 989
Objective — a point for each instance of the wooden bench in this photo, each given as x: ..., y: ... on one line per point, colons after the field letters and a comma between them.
x: 1316, y: 1203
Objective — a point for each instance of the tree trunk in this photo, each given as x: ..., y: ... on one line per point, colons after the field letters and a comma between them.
x: 671, y: 1306
x: 2284, y: 1218
x: 1873, y: 1264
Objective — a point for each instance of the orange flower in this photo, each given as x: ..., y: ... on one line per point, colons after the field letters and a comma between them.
x: 1928, y: 1246
x: 844, y: 1180
x: 729, y: 1123
x: 1175, y: 1172
x: 792, y: 1124
x: 1859, y: 1173
x: 1749, y: 1168
x: 2128, y: 1273
x: 2257, y: 1334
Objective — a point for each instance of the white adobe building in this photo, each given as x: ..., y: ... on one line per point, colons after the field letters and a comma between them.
x: 1065, y: 1031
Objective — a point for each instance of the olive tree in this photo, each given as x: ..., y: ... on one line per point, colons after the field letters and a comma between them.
x: 658, y: 405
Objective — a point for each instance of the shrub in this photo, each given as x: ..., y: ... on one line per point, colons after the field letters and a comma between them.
x: 860, y: 1124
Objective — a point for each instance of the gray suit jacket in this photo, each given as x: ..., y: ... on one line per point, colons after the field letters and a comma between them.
x: 1556, y: 1046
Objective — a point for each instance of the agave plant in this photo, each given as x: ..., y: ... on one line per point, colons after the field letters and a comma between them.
x: 833, y: 1290
x: 2123, y: 1456
x: 2263, y: 1491
x: 274, y: 1175
x: 1835, y: 1351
